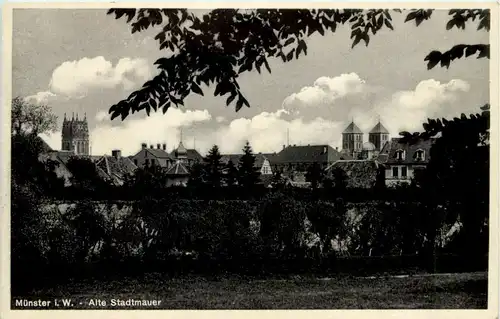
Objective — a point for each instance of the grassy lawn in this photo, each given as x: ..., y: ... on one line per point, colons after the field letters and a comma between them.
x: 454, y: 291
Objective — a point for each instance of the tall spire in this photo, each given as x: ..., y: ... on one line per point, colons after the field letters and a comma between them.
x: 77, y: 116
x: 181, y: 134
x: 64, y: 117
x: 85, y: 116
x: 73, y: 116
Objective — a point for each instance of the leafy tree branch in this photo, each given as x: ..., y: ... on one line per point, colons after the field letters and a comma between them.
x: 224, y: 43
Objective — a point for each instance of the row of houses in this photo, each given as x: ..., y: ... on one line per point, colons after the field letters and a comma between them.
x: 395, y: 163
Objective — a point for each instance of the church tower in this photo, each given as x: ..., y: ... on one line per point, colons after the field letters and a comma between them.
x: 378, y: 136
x: 75, y: 135
x: 352, y: 140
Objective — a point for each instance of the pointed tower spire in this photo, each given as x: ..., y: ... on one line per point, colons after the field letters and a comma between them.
x: 73, y: 116
x: 77, y: 116
x: 85, y: 116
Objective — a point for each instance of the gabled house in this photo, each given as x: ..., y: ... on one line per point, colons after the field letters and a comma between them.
x: 299, y: 158
x: 359, y: 173
x: 153, y: 156
x: 115, y: 168
x: 402, y: 158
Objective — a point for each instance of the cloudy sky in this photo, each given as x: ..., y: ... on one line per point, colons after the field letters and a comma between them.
x: 84, y: 61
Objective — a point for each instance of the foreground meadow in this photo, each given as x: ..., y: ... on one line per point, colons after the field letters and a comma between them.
x: 442, y: 291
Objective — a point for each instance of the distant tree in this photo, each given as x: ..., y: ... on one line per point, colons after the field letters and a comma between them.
x: 213, y: 167
x: 278, y: 181
x: 29, y: 118
x: 231, y: 176
x: 327, y: 221
x: 339, y: 179
x: 457, y: 177
x: 248, y: 174
x: 84, y: 174
x: 196, y: 175
x: 147, y: 180
x: 225, y: 43
x: 315, y: 175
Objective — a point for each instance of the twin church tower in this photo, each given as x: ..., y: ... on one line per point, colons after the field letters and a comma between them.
x: 352, y: 140
x: 75, y: 135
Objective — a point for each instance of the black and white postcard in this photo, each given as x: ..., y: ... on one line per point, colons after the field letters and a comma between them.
x: 231, y: 156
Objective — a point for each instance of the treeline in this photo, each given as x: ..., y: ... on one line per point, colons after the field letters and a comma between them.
x: 276, y: 235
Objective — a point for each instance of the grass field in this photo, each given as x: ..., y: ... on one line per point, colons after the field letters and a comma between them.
x: 446, y: 291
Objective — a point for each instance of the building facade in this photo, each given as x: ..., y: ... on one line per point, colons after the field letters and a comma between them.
x: 403, y: 158
x: 75, y: 135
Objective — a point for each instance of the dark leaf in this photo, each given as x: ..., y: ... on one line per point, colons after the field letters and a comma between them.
x: 196, y: 89
x: 289, y: 41
x: 230, y: 99
x: 388, y: 24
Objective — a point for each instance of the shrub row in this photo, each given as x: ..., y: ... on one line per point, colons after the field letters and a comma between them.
x: 274, y: 235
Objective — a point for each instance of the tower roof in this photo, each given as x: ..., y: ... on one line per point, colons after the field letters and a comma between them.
x: 379, y: 128
x: 181, y: 150
x: 353, y: 129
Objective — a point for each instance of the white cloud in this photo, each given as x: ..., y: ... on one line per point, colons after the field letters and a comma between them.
x: 267, y: 132
x: 156, y: 128
x: 76, y: 78
x: 41, y: 97
x: 407, y: 110
x: 348, y: 97
x: 319, y: 99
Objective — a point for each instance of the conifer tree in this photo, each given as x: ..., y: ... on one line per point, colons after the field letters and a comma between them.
x: 213, y: 167
x: 248, y: 174
x: 231, y: 174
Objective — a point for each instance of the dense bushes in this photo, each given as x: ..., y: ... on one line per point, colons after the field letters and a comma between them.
x: 274, y: 235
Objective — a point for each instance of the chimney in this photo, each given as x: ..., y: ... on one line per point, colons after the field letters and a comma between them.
x: 164, y: 146
x: 284, y: 146
x: 144, y: 146
x: 325, y: 149
x: 116, y: 154
x: 151, y: 146
x: 337, y: 149
x: 158, y: 146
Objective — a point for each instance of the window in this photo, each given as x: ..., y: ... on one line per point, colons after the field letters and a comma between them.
x: 400, y: 155
x: 404, y: 172
x: 394, y: 172
x: 419, y: 155
x: 147, y: 162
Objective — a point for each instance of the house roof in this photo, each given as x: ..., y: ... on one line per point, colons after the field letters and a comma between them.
x: 159, y: 153
x: 352, y: 128
x: 308, y: 154
x: 360, y: 173
x: 178, y: 169
x: 115, y: 169
x: 388, y: 152
x: 379, y: 129
x: 190, y: 154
